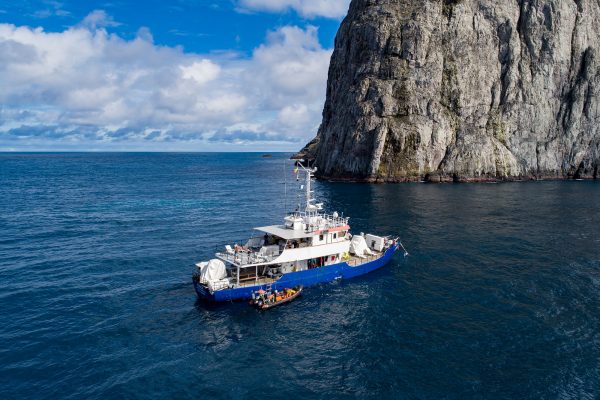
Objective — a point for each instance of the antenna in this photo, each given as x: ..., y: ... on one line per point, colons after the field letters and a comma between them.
x: 308, y: 192
x: 284, y: 188
x: 296, y: 164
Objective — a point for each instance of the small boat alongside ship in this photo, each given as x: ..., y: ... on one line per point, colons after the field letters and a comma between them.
x: 265, y: 299
x: 311, y: 247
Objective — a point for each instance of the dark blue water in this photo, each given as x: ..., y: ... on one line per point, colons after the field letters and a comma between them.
x: 500, y: 297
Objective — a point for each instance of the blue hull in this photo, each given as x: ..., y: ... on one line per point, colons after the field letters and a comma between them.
x: 306, y: 278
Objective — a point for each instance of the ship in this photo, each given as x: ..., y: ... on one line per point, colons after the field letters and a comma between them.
x: 311, y: 247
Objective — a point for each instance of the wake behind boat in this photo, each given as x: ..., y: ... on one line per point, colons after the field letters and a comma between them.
x: 310, y: 247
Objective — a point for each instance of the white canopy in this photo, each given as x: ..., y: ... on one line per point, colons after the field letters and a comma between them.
x: 284, y: 233
x: 212, y: 270
x: 358, y: 246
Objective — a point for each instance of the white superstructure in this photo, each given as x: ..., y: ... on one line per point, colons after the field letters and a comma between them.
x: 307, y: 239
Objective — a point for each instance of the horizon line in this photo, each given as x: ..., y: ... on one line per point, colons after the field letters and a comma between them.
x: 139, y: 152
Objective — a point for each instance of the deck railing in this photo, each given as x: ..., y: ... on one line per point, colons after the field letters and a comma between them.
x: 355, y: 261
x: 327, y: 221
x: 246, y: 256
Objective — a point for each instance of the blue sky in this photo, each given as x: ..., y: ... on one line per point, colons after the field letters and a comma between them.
x: 181, y: 75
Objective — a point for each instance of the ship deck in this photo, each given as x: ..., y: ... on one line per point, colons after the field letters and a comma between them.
x: 354, y: 261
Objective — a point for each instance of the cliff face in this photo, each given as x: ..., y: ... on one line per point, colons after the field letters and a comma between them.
x: 463, y: 90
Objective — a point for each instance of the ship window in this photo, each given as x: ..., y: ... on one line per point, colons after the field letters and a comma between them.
x: 320, y: 237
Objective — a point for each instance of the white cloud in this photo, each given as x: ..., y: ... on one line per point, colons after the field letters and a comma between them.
x: 294, y: 115
x: 85, y: 85
x: 201, y: 71
x: 98, y: 19
x: 53, y: 9
x: 306, y: 8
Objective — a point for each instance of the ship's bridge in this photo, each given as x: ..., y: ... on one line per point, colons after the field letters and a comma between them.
x: 301, y: 225
x: 303, y: 236
x: 284, y: 233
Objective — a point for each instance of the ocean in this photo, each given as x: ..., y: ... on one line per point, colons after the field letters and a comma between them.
x: 498, y: 299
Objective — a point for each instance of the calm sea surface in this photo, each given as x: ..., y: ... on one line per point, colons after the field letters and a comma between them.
x: 499, y: 299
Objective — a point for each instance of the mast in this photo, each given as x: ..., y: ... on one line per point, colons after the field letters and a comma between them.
x: 285, y: 210
x: 308, y: 172
x: 308, y: 191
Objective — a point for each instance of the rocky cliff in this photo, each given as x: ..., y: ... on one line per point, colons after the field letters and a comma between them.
x: 463, y: 90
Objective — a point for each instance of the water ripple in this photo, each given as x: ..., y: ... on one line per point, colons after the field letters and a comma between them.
x: 499, y: 298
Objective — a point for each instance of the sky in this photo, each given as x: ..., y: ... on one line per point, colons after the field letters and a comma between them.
x: 178, y: 75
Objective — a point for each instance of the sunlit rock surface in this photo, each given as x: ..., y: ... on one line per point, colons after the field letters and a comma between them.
x: 463, y: 90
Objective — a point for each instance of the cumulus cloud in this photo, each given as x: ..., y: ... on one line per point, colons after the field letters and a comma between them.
x: 306, y: 8
x: 98, y: 19
x: 201, y: 72
x: 85, y: 84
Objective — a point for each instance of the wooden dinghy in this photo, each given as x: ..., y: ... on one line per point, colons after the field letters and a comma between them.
x: 263, y: 300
